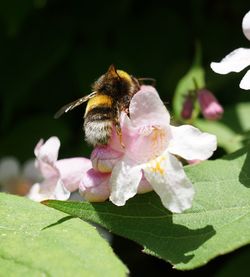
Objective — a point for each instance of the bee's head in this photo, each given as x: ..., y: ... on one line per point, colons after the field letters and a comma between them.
x: 114, y: 73
x: 113, y: 82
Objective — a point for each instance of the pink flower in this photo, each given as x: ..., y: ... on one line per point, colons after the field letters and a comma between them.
x: 147, y: 160
x: 188, y: 107
x: 60, y: 176
x: 210, y: 107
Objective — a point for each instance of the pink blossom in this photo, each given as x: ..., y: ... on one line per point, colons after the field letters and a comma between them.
x: 147, y: 160
x: 60, y: 176
x: 96, y: 186
x: 210, y: 107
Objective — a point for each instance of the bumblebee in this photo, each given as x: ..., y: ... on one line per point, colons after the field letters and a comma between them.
x: 111, y: 94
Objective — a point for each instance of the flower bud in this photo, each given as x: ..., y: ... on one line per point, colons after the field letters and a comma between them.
x: 104, y: 158
x: 210, y: 107
x: 187, y: 108
x: 95, y: 186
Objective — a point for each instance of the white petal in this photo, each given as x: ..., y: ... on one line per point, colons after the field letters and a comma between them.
x: 246, y: 25
x: 147, y: 109
x: 9, y: 168
x: 233, y: 62
x: 124, y: 181
x: 191, y: 144
x: 48, y: 152
x: 245, y: 82
x: 168, y: 179
x: 35, y: 194
x: 61, y: 193
x: 43, y: 191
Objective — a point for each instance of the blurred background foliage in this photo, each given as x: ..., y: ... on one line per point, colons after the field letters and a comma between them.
x: 52, y: 51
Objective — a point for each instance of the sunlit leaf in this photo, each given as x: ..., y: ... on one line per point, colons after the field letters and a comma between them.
x: 237, y: 117
x: 38, y: 241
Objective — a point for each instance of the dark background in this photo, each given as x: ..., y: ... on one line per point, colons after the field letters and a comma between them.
x: 52, y: 51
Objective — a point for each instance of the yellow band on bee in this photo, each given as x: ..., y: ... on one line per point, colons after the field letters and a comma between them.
x: 124, y: 75
x: 103, y: 100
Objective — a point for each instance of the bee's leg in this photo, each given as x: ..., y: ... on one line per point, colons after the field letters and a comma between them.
x: 119, y: 132
x: 117, y: 124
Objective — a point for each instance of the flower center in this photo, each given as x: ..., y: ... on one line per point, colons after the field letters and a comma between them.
x: 156, y: 165
x: 158, y: 139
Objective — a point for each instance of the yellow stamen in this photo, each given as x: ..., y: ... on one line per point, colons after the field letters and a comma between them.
x: 156, y: 166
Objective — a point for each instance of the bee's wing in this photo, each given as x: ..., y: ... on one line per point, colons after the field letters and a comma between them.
x: 72, y: 105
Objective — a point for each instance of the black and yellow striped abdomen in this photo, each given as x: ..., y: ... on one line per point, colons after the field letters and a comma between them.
x: 98, y: 119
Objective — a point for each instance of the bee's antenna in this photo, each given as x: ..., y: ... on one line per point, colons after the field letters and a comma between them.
x: 151, y: 80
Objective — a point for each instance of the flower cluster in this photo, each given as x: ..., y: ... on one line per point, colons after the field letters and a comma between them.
x: 147, y: 159
x: 238, y: 59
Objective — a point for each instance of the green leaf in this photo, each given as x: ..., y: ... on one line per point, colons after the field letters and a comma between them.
x: 226, y: 137
x: 193, y: 79
x: 38, y: 241
x: 217, y: 223
x: 237, y: 117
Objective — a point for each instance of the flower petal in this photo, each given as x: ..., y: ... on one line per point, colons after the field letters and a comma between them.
x: 191, y: 144
x: 168, y: 179
x: 95, y: 186
x: 43, y: 191
x: 104, y: 158
x: 48, y: 151
x: 144, y: 185
x: 246, y: 25
x: 60, y: 192
x: 46, y: 156
x: 147, y: 147
x: 34, y: 193
x: 72, y: 171
x: 233, y: 62
x: 245, y: 82
x: 147, y: 109
x: 48, y: 189
x: 142, y: 144
x: 125, y: 179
